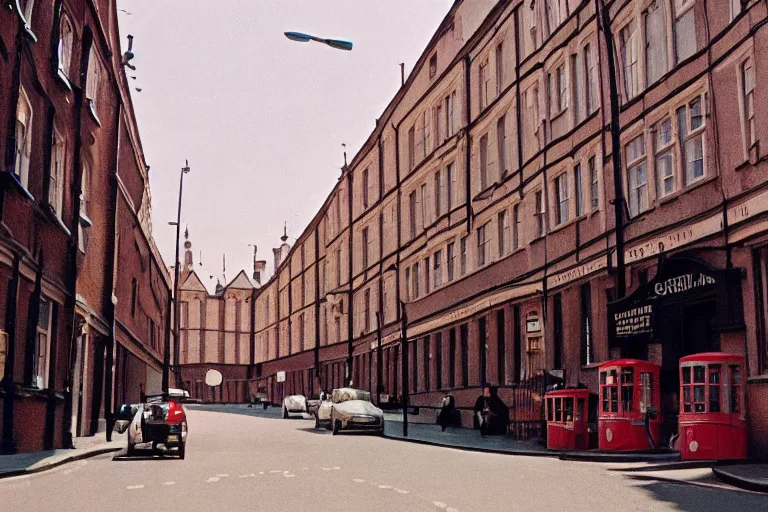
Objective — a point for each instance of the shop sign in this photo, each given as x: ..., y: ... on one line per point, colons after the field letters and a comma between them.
x: 634, y: 321
x: 682, y: 283
x: 675, y: 239
x: 532, y: 323
x: 578, y: 272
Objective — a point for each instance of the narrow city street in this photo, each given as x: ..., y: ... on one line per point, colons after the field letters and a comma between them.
x: 242, y: 460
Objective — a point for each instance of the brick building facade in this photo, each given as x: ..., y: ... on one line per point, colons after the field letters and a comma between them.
x: 75, y: 201
x: 485, y: 200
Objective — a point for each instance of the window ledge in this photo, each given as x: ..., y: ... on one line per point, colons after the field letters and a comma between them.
x: 63, y: 80
x: 16, y: 182
x: 85, y: 221
x: 671, y: 198
x: 557, y: 116
x: 92, y: 111
x: 55, y: 219
x: 758, y: 379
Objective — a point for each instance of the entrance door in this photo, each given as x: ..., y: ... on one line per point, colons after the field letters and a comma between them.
x: 77, y: 386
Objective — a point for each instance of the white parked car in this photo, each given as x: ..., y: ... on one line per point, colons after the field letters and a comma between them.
x: 351, y: 410
x: 294, y: 406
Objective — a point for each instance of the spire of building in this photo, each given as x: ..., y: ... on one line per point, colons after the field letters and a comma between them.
x: 284, y: 238
x: 188, y: 262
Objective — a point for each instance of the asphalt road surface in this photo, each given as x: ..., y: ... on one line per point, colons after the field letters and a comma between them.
x: 239, y: 461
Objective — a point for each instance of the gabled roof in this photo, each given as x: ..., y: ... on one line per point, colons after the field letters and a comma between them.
x: 240, y: 282
x: 193, y: 283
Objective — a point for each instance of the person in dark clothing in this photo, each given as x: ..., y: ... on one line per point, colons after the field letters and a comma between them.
x: 447, y: 412
x: 491, y: 413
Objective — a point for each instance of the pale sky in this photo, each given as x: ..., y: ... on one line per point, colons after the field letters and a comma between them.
x: 260, y: 118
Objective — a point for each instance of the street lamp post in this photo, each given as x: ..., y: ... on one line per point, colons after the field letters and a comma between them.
x: 404, y: 358
x: 184, y: 170
x: 378, y: 359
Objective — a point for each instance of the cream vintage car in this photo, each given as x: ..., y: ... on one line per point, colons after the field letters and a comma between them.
x: 294, y: 406
x: 351, y: 410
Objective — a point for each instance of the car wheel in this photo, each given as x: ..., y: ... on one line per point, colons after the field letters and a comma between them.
x: 317, y: 422
x: 130, y: 451
x: 336, y: 427
x: 285, y: 413
x: 182, y: 450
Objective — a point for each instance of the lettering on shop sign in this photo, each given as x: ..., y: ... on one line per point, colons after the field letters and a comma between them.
x: 675, y: 239
x: 577, y: 273
x: 682, y: 283
x: 634, y: 321
x: 753, y: 206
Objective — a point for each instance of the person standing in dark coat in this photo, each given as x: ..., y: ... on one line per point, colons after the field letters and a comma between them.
x: 491, y: 413
x: 447, y: 411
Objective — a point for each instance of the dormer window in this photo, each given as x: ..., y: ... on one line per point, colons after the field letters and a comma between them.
x: 433, y: 65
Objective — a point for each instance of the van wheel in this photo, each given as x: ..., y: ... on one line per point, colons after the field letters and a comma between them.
x: 285, y: 413
x: 130, y: 451
x: 182, y: 450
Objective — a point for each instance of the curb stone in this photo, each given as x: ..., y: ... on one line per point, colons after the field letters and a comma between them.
x: 64, y: 460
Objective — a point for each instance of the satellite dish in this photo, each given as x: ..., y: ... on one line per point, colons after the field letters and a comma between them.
x: 213, y: 378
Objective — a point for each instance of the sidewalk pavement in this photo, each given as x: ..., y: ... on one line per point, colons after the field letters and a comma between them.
x: 34, y: 462
x: 461, y: 438
x: 753, y: 477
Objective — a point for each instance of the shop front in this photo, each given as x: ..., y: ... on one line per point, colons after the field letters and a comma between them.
x: 686, y: 309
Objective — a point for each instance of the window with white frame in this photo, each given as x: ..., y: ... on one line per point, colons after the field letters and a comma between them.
x: 439, y: 191
x: 629, y: 60
x: 579, y: 186
x: 427, y: 282
x: 748, y: 101
x: 23, y: 135
x: 438, y: 122
x: 578, y: 88
x: 591, y: 89
x: 451, y: 184
x: 484, y: 162
x: 450, y: 260
x: 553, y: 14
x: 365, y: 248
x: 691, y: 128
x: 562, y: 194
x: 27, y: 9
x: 483, y: 83
x: 516, y: 227
x: 685, y: 29
x: 482, y: 245
x: 499, y: 68
x: 41, y: 357
x: 365, y: 188
x: 412, y: 148
x: 638, y: 179
x: 424, y: 209
x: 408, y: 284
x: 66, y: 36
x: 664, y: 153
x: 56, y: 174
x: 450, y: 113
x: 501, y: 142
x: 416, y: 280
x: 736, y: 8
x: 540, y: 212
x: 425, y: 133
x: 367, y: 310
x: 594, y: 184
x: 412, y: 214
x: 503, y: 227
x: 532, y: 26
x: 93, y: 79
x: 558, y: 90
x: 656, y: 64
x: 437, y: 270
x: 463, y: 255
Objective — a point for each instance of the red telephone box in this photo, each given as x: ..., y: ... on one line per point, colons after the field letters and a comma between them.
x: 567, y: 416
x: 629, y: 389
x: 712, y: 416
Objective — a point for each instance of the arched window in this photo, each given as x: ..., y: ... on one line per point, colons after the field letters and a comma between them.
x: 66, y: 37
x: 92, y: 83
x: 23, y: 137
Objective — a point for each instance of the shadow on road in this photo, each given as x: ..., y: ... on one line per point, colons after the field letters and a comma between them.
x: 693, y: 498
x: 313, y: 430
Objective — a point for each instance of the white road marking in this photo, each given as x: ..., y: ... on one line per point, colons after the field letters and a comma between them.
x: 401, y: 491
x: 288, y: 476
x: 451, y: 509
x: 358, y: 480
x: 169, y: 483
x: 244, y: 476
x: 131, y: 487
x: 336, y: 467
x: 261, y: 472
x: 212, y: 479
x: 326, y: 469
x: 440, y: 504
x: 385, y: 487
x: 275, y: 471
x: 220, y: 475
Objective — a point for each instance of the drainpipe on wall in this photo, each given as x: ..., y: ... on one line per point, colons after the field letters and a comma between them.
x: 468, y: 141
x: 317, y: 314
x: 350, y: 308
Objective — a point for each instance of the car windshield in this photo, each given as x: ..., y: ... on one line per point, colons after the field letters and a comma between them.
x: 346, y: 394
